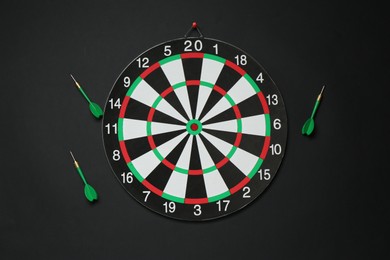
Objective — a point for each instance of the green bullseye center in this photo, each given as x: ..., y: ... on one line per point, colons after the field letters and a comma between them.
x: 194, y: 127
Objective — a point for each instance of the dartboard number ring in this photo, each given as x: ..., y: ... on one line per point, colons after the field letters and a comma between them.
x: 194, y: 129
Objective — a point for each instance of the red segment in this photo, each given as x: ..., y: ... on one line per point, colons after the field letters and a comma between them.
x: 192, y: 55
x: 124, y: 151
x: 196, y: 201
x: 265, y: 147
x: 195, y: 172
x: 194, y: 127
x: 166, y: 92
x: 124, y: 106
x: 149, y: 70
x: 219, y: 90
x: 238, y: 140
x: 239, y: 186
x: 151, y: 114
x: 168, y: 164
x: 192, y: 83
x: 237, y: 111
x: 235, y: 67
x: 151, y: 142
x: 222, y: 162
x: 263, y: 102
x: 152, y: 188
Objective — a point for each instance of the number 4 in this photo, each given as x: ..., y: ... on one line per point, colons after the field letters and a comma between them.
x: 260, y: 77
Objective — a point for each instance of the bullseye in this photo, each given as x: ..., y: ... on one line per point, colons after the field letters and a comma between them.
x: 194, y: 127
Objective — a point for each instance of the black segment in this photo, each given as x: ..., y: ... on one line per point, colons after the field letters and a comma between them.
x: 165, y: 137
x: 252, y: 144
x: 164, y: 118
x: 231, y: 174
x: 225, y: 136
x: 224, y: 116
x: 227, y: 78
x: 192, y: 68
x: 137, y: 147
x: 136, y: 110
x: 195, y: 159
x: 193, y: 92
x: 211, y: 101
x: 195, y: 187
x: 174, y: 156
x: 159, y: 177
x: 173, y: 100
x: 215, y: 154
x: 157, y: 80
x: 250, y: 107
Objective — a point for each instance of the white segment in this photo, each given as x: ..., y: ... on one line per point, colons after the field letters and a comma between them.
x: 221, y: 106
x: 227, y: 126
x: 252, y: 125
x: 205, y: 159
x: 177, y: 182
x: 174, y: 71
x: 203, y: 95
x: 144, y: 93
x: 169, y: 110
x: 133, y: 128
x: 221, y: 145
x: 214, y: 183
x: 176, y: 185
x: 182, y: 95
x: 209, y: 73
x: 167, y: 147
x: 184, y: 160
x: 146, y: 163
x: 241, y: 90
x: 210, y: 70
x: 244, y: 161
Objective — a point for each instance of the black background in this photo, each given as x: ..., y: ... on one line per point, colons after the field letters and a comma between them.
x: 330, y: 197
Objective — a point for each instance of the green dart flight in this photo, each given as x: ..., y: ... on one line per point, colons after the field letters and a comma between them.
x: 308, y: 127
x: 93, y: 107
x: 89, y: 191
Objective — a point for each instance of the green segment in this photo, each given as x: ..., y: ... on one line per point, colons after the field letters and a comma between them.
x: 135, y: 172
x: 149, y: 128
x: 229, y: 98
x: 206, y: 84
x: 267, y: 125
x: 239, y: 125
x: 232, y: 151
x: 179, y: 85
x: 213, y: 57
x: 252, y: 82
x: 190, y: 123
x: 158, y: 99
x: 169, y: 59
x: 172, y: 198
x: 120, y: 129
x: 133, y: 86
x: 181, y: 170
x: 158, y: 154
x: 256, y: 168
x: 219, y: 197
x: 210, y: 169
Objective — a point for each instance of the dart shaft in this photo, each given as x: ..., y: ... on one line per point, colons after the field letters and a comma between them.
x: 315, y: 108
x: 80, y: 172
x: 84, y: 94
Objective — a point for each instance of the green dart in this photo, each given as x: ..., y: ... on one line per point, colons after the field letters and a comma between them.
x: 308, y: 127
x: 89, y: 191
x: 93, y: 107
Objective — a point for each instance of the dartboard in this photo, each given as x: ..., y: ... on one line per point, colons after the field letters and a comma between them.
x: 194, y: 129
